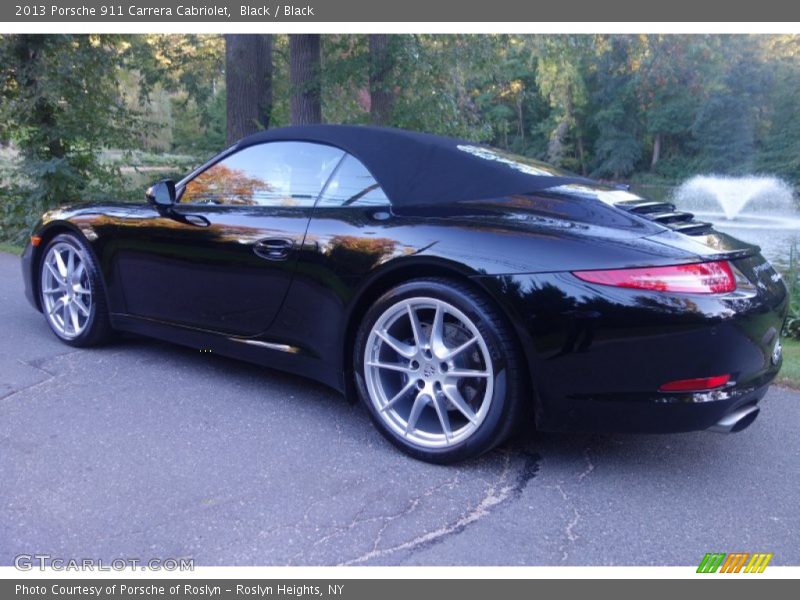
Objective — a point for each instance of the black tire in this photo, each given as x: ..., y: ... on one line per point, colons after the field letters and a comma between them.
x: 96, y: 328
x: 509, y: 400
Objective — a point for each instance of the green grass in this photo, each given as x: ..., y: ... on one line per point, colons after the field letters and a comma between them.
x: 10, y: 248
x: 790, y: 372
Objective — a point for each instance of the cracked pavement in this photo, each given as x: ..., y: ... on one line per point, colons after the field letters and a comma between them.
x: 147, y: 450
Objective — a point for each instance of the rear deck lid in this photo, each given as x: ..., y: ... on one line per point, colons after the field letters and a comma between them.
x: 680, y: 228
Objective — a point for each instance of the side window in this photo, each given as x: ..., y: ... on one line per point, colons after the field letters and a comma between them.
x: 270, y: 174
x: 352, y: 185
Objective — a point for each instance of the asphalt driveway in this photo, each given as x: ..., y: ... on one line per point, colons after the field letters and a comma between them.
x: 143, y: 449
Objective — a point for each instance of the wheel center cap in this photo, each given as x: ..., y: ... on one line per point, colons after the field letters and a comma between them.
x: 428, y: 370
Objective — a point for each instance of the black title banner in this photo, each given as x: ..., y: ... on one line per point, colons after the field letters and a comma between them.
x: 232, y: 11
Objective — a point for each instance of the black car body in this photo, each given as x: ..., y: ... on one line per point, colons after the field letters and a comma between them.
x: 286, y: 284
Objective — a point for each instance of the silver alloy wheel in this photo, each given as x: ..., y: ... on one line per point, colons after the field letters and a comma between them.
x: 66, y: 290
x: 428, y: 372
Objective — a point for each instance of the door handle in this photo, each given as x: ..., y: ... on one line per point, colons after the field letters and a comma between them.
x: 186, y: 219
x: 196, y: 220
x: 273, y: 248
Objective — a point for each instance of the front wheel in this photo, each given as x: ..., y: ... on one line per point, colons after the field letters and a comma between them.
x: 72, y: 292
x: 439, y: 371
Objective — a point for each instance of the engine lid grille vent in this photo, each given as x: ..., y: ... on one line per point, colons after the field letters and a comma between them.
x: 666, y: 214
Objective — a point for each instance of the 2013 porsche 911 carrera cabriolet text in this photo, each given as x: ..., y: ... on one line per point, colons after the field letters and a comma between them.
x: 459, y: 291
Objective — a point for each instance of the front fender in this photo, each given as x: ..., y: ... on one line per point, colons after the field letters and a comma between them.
x: 50, y: 225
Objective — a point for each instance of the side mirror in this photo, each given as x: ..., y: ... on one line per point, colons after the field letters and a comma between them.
x: 161, y: 194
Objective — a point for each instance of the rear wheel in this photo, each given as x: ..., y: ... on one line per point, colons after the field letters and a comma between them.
x: 438, y: 370
x: 72, y: 292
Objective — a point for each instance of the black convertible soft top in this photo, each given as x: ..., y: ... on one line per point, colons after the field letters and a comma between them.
x: 419, y: 168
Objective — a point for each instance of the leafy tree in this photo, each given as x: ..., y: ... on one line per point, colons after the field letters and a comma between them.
x: 781, y: 151
x: 433, y: 86
x: 560, y: 77
x: 668, y: 84
x: 508, y: 98
x: 191, y: 69
x: 618, y: 146
x: 61, y: 105
x: 725, y: 125
x: 198, y: 131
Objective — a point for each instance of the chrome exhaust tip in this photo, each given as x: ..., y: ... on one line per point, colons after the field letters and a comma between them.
x: 737, y: 420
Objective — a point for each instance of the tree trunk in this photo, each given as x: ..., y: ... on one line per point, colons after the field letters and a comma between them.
x: 556, y: 148
x: 380, y: 68
x: 582, y: 155
x: 248, y: 83
x: 304, y: 74
x: 656, y: 151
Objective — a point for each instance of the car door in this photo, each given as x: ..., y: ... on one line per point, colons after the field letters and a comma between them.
x: 224, y: 257
x: 352, y: 230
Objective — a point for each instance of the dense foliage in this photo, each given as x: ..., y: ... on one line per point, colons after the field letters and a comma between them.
x: 75, y: 109
x: 792, y: 278
x: 59, y: 114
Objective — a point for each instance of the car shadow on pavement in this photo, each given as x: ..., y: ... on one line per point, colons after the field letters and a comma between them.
x: 633, y: 453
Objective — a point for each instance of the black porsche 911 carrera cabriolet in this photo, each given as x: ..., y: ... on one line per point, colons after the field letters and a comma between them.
x: 459, y: 291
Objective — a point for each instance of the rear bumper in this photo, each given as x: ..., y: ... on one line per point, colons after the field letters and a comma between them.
x: 597, y: 355
x: 654, y: 413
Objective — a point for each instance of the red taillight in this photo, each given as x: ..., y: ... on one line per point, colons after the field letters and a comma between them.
x: 696, y: 278
x: 700, y: 384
